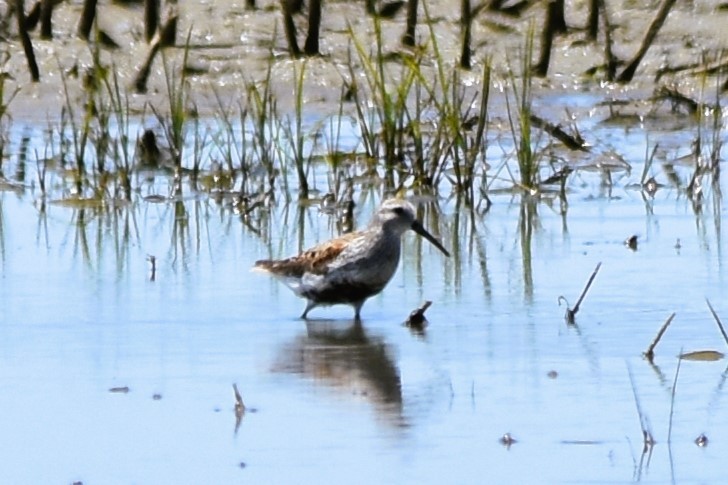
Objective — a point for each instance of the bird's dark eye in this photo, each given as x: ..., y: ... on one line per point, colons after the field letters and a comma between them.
x: 398, y: 210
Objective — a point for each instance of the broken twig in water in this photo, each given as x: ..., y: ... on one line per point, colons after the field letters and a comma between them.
x: 573, y: 142
x: 416, y: 319
x: 650, y: 352
x: 717, y: 320
x: 571, y: 313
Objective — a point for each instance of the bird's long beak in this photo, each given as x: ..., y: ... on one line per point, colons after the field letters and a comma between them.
x: 419, y: 229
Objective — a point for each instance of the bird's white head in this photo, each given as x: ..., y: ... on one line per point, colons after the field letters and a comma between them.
x: 395, y: 215
x: 398, y: 216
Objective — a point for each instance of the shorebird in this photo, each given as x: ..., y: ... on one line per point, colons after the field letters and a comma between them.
x: 349, y: 269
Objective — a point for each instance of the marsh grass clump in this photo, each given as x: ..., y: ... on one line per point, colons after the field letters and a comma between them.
x: 294, y: 134
x: 265, y: 136
x: 520, y: 119
x: 383, y: 135
x: 89, y: 129
x: 423, y: 126
x: 174, y: 123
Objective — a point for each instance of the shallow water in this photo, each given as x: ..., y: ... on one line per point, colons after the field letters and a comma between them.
x: 330, y: 401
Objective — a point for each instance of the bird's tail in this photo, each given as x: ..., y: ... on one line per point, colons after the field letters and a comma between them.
x: 281, y: 271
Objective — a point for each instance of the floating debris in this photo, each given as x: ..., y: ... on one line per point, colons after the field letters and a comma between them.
x: 507, y: 440
x: 156, y: 199
x: 631, y: 242
x: 156, y: 397
x: 77, y: 202
x: 416, y: 319
x: 120, y: 390
x: 701, y: 441
x: 552, y: 374
x: 702, y: 355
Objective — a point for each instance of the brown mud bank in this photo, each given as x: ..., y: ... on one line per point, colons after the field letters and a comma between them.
x: 231, y: 45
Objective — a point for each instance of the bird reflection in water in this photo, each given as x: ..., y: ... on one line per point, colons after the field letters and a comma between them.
x: 348, y: 359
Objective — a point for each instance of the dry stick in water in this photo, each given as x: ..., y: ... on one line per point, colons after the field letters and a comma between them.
x: 650, y: 352
x: 25, y: 40
x: 571, y: 313
x: 628, y: 72
x: 417, y: 318
x: 717, y: 320
x: 571, y: 142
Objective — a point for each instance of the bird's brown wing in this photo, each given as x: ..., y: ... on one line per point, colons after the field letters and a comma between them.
x: 314, y: 260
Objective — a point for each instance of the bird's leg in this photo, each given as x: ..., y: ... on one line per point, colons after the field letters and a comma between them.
x: 310, y: 305
x: 357, y: 310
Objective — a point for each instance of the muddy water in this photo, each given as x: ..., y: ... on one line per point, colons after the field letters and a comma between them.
x: 111, y: 377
